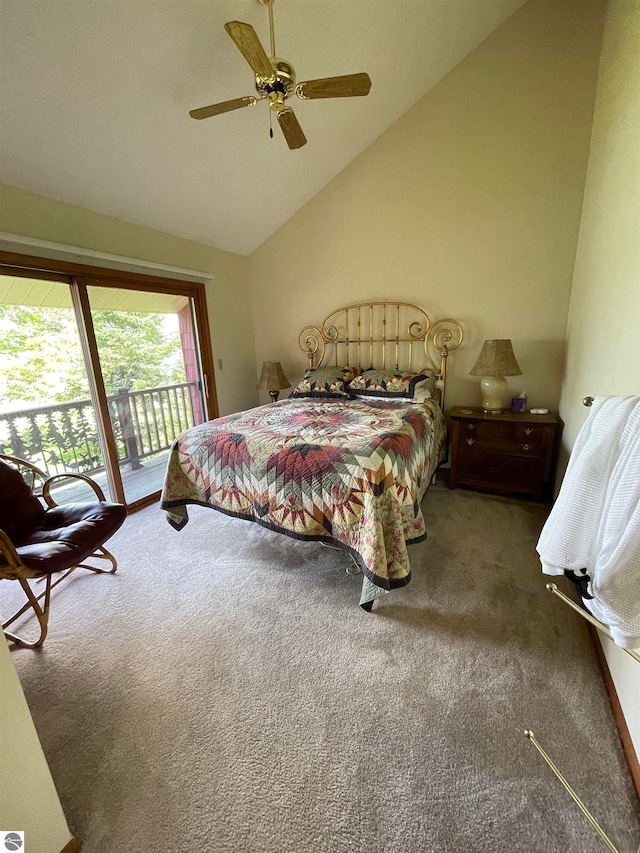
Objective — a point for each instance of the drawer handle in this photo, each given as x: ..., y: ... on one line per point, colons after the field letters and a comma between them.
x: 527, y: 446
x: 471, y: 426
x: 527, y: 430
x: 471, y: 441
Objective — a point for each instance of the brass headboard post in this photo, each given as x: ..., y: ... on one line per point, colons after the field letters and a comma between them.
x: 382, y: 331
x: 444, y: 352
x: 448, y: 330
x: 310, y: 343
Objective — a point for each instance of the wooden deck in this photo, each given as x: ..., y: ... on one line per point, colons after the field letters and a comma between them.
x: 137, y: 484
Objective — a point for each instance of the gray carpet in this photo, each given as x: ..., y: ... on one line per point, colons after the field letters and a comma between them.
x: 224, y: 692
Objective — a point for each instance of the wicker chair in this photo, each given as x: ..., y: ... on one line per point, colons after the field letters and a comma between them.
x: 39, y: 538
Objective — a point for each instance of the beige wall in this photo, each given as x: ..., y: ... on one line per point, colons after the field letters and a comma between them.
x: 227, y: 295
x: 468, y: 206
x: 28, y: 799
x: 603, y: 355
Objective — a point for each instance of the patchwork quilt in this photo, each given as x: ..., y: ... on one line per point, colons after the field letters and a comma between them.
x: 350, y: 473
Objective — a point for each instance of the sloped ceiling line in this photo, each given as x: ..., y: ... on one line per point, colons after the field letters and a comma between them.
x: 96, y: 99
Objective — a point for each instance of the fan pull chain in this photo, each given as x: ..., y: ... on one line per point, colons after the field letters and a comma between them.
x: 270, y: 125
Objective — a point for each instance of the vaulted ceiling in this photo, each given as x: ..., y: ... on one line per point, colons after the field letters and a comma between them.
x: 96, y: 94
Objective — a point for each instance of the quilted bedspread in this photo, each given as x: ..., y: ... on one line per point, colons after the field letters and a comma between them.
x: 348, y: 472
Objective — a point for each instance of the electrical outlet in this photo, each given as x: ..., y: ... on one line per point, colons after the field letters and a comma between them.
x: 219, y: 364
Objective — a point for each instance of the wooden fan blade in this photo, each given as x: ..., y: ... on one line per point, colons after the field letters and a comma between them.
x: 348, y: 86
x: 223, y: 107
x: 250, y: 47
x: 291, y: 128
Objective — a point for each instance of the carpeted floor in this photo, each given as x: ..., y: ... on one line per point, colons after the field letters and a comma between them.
x: 224, y: 693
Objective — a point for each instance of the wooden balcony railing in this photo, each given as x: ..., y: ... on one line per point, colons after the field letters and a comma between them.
x: 64, y: 436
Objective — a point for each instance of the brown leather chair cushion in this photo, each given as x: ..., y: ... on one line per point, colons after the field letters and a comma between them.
x: 19, y: 509
x: 66, y: 535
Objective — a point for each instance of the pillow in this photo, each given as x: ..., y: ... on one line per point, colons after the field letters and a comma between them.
x: 324, y: 382
x: 384, y: 383
x: 425, y: 390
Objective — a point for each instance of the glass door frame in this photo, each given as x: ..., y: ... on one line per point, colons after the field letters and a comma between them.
x: 81, y: 276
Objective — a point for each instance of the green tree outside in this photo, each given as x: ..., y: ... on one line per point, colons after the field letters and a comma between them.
x: 41, y: 358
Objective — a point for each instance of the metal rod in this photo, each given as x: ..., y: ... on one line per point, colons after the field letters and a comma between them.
x: 551, y: 587
x: 271, y: 32
x: 347, y: 363
x: 384, y: 335
x: 585, y: 811
x: 398, y: 335
x: 371, y: 335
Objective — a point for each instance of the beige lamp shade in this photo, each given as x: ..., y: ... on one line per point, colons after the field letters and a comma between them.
x: 496, y: 359
x: 272, y: 377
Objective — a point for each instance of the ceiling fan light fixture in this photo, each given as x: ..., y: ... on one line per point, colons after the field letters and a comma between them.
x: 282, y: 80
x: 276, y: 102
x: 275, y: 81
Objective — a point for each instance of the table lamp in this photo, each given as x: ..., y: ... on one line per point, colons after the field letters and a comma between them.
x: 272, y: 379
x: 496, y: 360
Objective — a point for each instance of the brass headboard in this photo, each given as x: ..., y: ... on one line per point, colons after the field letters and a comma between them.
x: 395, y: 335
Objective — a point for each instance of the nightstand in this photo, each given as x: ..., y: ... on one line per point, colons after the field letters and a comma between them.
x: 504, y: 453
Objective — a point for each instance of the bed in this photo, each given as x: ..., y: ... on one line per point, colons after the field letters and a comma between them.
x: 345, y: 463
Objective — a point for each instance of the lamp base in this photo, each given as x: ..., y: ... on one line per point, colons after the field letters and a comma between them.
x: 492, y: 388
x: 274, y: 395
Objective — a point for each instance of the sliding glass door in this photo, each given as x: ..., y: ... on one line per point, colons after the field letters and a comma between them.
x: 150, y: 361
x: 47, y: 415
x: 99, y: 375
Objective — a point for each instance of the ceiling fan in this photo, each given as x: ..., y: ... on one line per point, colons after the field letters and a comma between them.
x: 275, y: 81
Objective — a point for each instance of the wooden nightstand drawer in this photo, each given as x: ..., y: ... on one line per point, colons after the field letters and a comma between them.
x: 510, y: 436
x: 506, y: 444
x: 504, y: 453
x: 485, y: 467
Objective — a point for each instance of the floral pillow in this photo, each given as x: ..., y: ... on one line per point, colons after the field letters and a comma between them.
x: 325, y: 382
x: 383, y: 383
